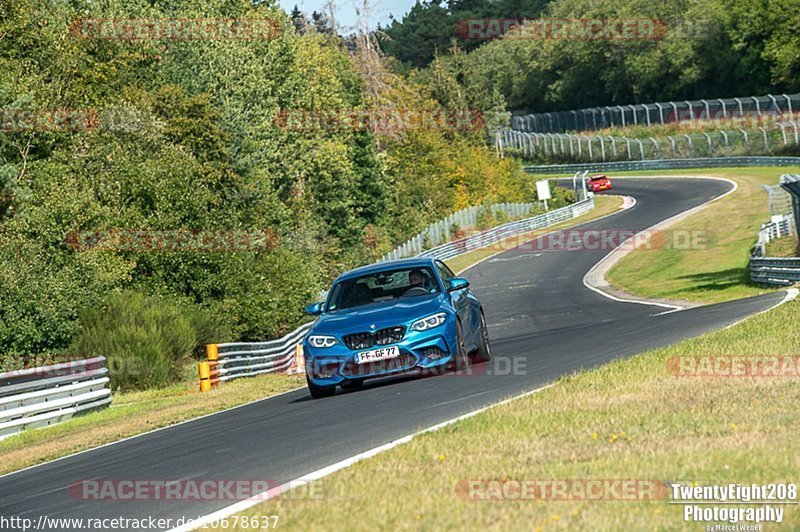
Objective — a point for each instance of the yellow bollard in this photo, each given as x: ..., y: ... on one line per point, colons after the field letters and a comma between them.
x: 205, y: 372
x: 212, y: 352
x: 298, y: 364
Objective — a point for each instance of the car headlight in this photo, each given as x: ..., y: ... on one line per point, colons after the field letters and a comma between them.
x: 322, y: 341
x: 430, y: 322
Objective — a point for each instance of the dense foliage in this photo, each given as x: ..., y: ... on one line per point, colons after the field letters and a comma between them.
x: 430, y: 26
x: 710, y: 49
x: 185, y: 138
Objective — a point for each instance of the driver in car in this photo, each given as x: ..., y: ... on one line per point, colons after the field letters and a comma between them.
x: 417, y: 278
x: 418, y: 283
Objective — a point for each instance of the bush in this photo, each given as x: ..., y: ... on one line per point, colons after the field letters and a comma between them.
x: 148, y: 340
x: 485, y: 218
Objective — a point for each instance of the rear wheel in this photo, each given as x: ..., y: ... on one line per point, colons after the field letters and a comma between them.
x: 484, y: 352
x: 318, y: 392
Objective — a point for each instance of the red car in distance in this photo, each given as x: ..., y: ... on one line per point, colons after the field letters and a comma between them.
x: 598, y: 182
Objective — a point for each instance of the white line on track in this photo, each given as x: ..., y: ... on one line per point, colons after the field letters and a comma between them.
x: 328, y: 470
x: 791, y: 293
x: 616, y: 254
x: 627, y: 203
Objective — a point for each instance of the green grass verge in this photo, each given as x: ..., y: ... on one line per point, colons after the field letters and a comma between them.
x: 787, y: 246
x: 631, y: 419
x: 133, y: 413
x: 603, y: 205
x: 716, y: 270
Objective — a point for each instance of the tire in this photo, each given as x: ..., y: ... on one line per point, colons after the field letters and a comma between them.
x: 461, y: 359
x: 484, y: 352
x: 352, y: 385
x: 319, y: 392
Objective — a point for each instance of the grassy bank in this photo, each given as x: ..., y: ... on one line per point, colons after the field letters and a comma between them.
x: 717, y: 271
x: 787, y: 246
x: 631, y: 419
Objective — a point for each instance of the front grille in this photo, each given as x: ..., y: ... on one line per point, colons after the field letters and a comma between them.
x: 365, y: 340
x: 403, y: 362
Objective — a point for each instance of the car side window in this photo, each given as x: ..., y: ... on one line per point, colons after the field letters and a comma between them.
x: 444, y: 272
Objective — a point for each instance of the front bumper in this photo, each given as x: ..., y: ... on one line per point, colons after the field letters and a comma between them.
x: 419, y: 351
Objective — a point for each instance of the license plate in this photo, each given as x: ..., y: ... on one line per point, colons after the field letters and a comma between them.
x: 375, y: 355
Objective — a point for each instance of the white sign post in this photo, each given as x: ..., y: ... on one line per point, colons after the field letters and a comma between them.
x: 543, y: 191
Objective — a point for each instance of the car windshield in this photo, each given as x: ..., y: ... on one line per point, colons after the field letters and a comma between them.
x: 382, y: 286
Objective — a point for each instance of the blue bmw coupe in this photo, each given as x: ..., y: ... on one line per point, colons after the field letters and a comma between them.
x: 404, y: 316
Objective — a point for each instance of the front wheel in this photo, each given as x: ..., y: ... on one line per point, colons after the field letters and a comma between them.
x: 484, y: 353
x: 318, y: 392
x: 461, y: 358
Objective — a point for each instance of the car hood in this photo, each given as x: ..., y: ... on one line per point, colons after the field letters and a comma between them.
x: 386, y: 314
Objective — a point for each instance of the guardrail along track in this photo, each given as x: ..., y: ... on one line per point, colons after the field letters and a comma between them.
x: 39, y: 397
x: 248, y: 359
x: 664, y: 164
x: 775, y: 271
x: 510, y: 229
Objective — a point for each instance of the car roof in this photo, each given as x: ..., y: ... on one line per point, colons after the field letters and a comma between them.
x: 388, y: 265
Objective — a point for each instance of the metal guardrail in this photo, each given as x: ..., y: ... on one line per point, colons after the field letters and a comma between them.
x: 775, y: 271
x: 603, y: 148
x: 507, y: 230
x: 439, y: 232
x: 243, y: 359
x: 657, y: 113
x: 779, y: 226
x: 247, y: 359
x: 664, y: 164
x: 791, y: 184
x: 43, y: 396
x: 778, y: 270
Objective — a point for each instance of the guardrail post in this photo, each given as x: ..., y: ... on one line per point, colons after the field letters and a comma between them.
x: 204, y: 371
x: 212, y: 352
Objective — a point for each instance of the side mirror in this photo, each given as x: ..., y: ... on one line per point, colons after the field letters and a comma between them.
x: 314, y: 309
x: 456, y: 283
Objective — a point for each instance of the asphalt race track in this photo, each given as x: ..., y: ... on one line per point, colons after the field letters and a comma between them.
x: 538, y: 311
